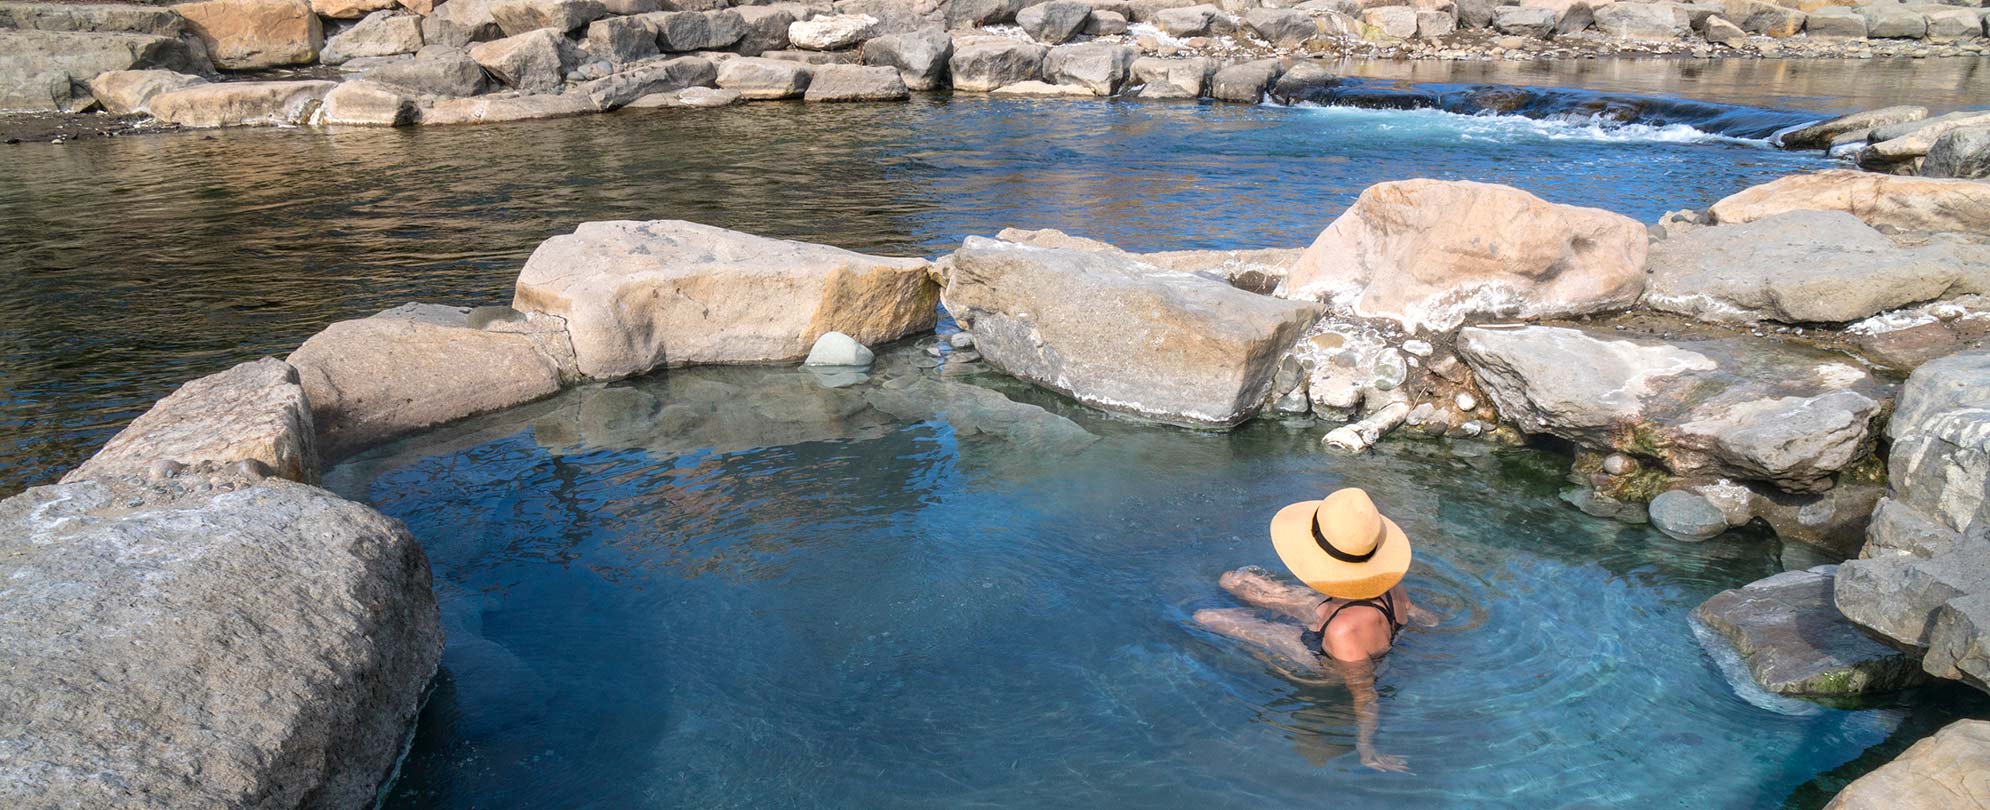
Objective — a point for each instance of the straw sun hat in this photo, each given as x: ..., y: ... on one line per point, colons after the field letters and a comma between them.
x: 1341, y: 546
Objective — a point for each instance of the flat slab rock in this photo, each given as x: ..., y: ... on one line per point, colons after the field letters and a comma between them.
x: 206, y: 643
x: 1949, y: 770
x: 1882, y: 200
x: 1119, y: 334
x: 1795, y: 641
x: 637, y: 296
x: 255, y: 411
x: 1720, y: 407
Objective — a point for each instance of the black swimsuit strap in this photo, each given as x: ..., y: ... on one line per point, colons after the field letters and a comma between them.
x: 1385, y: 603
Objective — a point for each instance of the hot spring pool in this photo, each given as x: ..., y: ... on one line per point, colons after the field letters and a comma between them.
x: 744, y: 588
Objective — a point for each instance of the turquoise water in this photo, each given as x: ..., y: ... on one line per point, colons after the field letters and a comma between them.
x: 741, y: 588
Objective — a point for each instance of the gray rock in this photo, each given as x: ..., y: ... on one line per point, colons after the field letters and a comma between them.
x: 516, y: 17
x: 460, y: 23
x: 1893, y: 21
x: 373, y: 379
x: 660, y: 76
x: 1834, y: 520
x: 1306, y: 82
x: 761, y: 78
x: 1686, y: 515
x: 1951, y: 24
x: 1391, y: 22
x: 1703, y: 408
x: 982, y: 13
x: 532, y: 61
x: 1148, y: 11
x: 1282, y: 27
x: 255, y: 411
x: 1796, y: 643
x: 620, y: 40
x: 1171, y: 78
x: 1767, y: 19
x: 1475, y: 13
x: 1644, y: 21
x: 212, y: 643
x: 688, y: 98
x: 1194, y: 21
x: 507, y: 106
x: 1113, y: 333
x: 1833, y: 22
x: 364, y: 103
x: 1901, y: 151
x: 44, y: 71
x: 1579, y: 16
x: 1435, y: 24
x: 855, y: 83
x: 1054, y: 22
x: 1963, y: 153
x: 838, y: 349
x: 1721, y: 32
x: 115, y: 18
x: 444, y: 72
x: 765, y: 28
x: 1245, y: 83
x: 1823, y: 134
x: 1105, y: 23
x: 832, y: 32
x: 382, y: 33
x: 921, y: 57
x: 241, y: 104
x: 687, y: 31
x: 1805, y: 267
x: 979, y: 66
x: 1926, y: 564
x: 1100, y: 67
x: 1524, y: 21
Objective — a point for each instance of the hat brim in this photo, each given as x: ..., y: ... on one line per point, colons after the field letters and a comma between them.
x: 1292, y: 536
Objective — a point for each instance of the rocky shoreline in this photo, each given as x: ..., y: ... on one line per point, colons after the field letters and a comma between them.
x: 1724, y: 367
x: 219, y: 63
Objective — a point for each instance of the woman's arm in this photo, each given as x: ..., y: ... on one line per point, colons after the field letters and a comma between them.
x: 1416, y: 615
x: 1355, y: 655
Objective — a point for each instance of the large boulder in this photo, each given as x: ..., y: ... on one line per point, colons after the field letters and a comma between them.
x: 1704, y: 408
x: 441, y: 71
x: 1960, y: 153
x: 1099, y: 67
x: 1765, y: 18
x: 756, y: 77
x: 46, y: 71
x: 1805, y: 267
x: 350, y: 9
x: 241, y: 104
x: 123, y: 92
x: 1942, y: 772
x: 254, y: 412
x: 1054, y: 22
x: 642, y: 295
x: 1834, y: 22
x: 1901, y: 150
x: 1894, y: 21
x: 1644, y: 21
x: 458, y: 23
x: 1282, y: 27
x: 1924, y: 576
x: 1796, y: 643
x: 765, y: 28
x: 1951, y: 24
x: 1171, y: 78
x: 1881, y: 200
x: 368, y: 104
x: 416, y: 366
x: 112, y: 18
x: 832, y: 32
x: 560, y: 16
x: 686, y: 31
x: 1121, y: 334
x: 979, y: 66
x: 620, y: 40
x: 253, y: 34
x: 650, y: 78
x: 1244, y: 83
x: 382, y: 33
x: 1824, y: 134
x: 920, y: 57
x: 206, y: 641
x: 1525, y: 21
x: 532, y: 61
x: 855, y: 83
x: 1431, y: 254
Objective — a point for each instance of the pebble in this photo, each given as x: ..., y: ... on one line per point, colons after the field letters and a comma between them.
x: 1465, y: 401
x: 1420, y: 348
x: 961, y: 340
x: 1618, y: 464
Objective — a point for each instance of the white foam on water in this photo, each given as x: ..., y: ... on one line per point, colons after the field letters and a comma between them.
x: 1511, y: 128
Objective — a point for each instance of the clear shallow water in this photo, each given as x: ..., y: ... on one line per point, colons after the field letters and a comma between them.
x: 130, y: 265
x: 738, y: 588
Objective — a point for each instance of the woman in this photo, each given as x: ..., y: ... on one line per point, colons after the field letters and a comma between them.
x: 1340, y: 546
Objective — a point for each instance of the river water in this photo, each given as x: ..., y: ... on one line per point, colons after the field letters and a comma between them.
x: 657, y: 597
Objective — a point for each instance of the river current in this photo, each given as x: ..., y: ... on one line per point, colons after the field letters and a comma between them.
x: 739, y: 587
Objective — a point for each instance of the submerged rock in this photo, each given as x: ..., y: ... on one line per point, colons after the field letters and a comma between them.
x: 1430, y: 254
x: 838, y: 349
x: 1117, y: 334
x: 1943, y: 772
x: 1709, y: 408
x: 1805, y: 267
x: 211, y: 643
x: 1796, y: 643
x: 641, y: 295
x: 1924, y: 577
x: 372, y: 379
x: 255, y: 411
x: 1881, y: 200
x: 972, y: 410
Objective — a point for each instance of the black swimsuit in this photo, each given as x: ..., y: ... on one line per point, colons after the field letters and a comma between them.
x: 1315, y: 640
